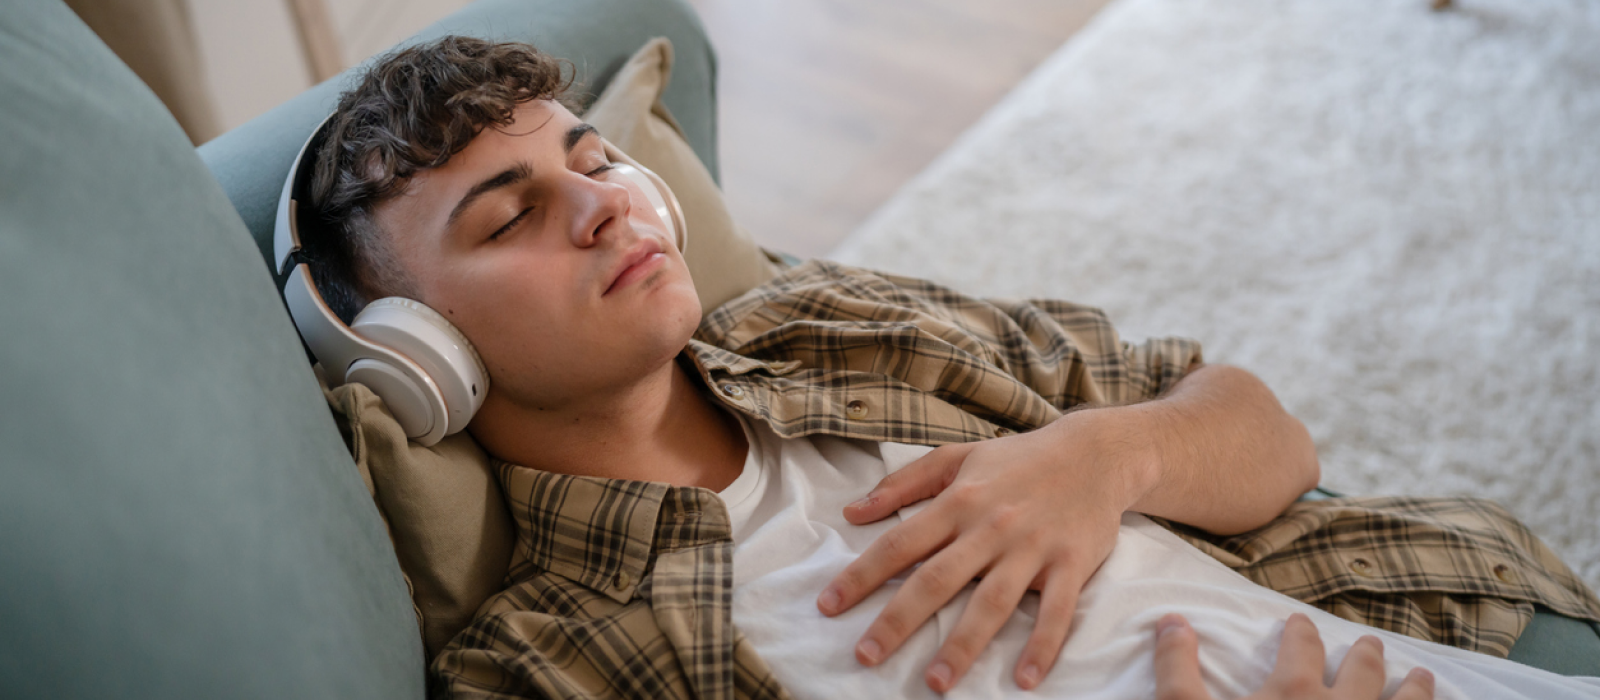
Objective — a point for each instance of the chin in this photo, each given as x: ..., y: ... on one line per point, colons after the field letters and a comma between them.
x: 686, y: 307
x: 674, y: 306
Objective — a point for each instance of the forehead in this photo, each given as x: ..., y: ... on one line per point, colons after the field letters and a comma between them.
x: 536, y: 130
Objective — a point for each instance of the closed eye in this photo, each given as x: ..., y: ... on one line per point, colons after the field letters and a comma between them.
x: 512, y: 223
x: 608, y: 167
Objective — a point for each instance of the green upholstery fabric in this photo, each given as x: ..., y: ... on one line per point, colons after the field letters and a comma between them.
x: 598, y: 36
x: 179, y: 517
x: 1559, y: 644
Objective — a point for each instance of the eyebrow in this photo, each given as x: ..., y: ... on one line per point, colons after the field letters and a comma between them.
x: 576, y: 134
x: 518, y: 172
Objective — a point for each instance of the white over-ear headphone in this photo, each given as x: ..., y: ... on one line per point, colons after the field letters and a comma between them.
x: 425, y: 370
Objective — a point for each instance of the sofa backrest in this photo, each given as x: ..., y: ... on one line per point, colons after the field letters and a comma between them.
x: 179, y: 517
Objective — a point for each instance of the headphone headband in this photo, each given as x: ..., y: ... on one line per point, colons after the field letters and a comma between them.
x: 286, y: 230
x: 427, y: 372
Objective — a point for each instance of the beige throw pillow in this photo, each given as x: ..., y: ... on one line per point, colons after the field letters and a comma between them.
x: 443, y: 507
x: 723, y: 259
x: 442, y: 504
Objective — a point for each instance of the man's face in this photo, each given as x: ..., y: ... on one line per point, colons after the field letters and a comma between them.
x: 556, y: 267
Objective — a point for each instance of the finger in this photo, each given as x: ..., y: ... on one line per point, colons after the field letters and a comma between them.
x: 992, y: 603
x: 920, y: 480
x: 927, y: 589
x: 1418, y: 685
x: 1057, y: 602
x: 893, y: 552
x: 1301, y: 657
x: 1178, y: 661
x: 1361, y: 673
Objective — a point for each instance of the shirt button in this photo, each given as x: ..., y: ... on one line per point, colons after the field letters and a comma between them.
x: 621, y: 581
x: 1001, y: 432
x: 1362, y: 567
x: 733, y: 390
x: 1503, y: 572
x: 856, y: 410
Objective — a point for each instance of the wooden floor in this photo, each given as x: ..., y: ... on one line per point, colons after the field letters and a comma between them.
x: 829, y: 106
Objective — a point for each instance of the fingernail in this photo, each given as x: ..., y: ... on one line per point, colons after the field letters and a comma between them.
x: 1424, y: 674
x: 1030, y: 676
x: 1373, y: 641
x: 870, y: 651
x: 829, y: 601
x: 1168, y: 623
x: 863, y: 501
x: 940, y: 673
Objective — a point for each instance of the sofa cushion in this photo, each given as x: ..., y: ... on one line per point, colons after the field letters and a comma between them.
x: 179, y: 516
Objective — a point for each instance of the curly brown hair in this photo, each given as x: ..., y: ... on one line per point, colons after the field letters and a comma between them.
x: 413, y: 110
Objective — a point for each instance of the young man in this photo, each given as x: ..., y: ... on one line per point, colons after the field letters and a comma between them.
x: 453, y: 176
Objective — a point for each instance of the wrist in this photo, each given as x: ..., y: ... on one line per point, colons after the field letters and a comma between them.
x: 1122, y: 440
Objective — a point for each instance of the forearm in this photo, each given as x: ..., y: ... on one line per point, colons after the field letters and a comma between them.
x: 1218, y: 452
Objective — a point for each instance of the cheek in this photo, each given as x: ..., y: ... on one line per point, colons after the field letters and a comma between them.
x: 643, y: 215
x: 518, y: 345
x: 505, y: 316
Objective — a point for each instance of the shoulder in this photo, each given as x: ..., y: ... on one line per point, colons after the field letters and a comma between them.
x: 822, y: 290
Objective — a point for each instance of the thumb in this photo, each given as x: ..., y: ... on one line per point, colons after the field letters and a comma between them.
x: 1177, y: 661
x: 922, y: 479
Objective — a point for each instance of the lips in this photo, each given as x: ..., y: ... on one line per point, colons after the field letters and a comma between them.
x: 639, y: 254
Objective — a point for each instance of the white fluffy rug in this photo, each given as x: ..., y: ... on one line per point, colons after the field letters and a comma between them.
x: 1391, y: 215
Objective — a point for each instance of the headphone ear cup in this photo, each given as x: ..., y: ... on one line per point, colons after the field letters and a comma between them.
x: 425, y: 337
x: 416, y: 406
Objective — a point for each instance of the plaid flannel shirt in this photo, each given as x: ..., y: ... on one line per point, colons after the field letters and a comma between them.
x: 624, y: 588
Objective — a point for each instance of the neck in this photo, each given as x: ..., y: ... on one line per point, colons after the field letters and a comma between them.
x: 661, y: 428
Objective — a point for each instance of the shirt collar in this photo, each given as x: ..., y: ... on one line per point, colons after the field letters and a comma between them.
x: 605, y: 533
x: 708, y: 358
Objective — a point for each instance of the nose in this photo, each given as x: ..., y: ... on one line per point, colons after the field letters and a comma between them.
x: 598, y: 205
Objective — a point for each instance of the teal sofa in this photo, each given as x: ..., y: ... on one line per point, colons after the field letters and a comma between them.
x: 179, y: 517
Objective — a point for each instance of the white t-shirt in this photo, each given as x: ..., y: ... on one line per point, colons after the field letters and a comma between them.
x: 791, y: 539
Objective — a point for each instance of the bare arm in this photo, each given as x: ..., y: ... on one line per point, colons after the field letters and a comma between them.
x: 1223, y: 455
